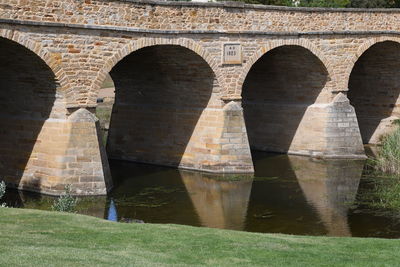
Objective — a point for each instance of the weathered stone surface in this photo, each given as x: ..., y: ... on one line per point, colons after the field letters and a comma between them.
x: 174, y: 92
x: 90, y: 164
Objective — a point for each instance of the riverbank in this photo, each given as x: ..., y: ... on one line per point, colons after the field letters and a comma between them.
x: 383, y: 172
x: 40, y: 238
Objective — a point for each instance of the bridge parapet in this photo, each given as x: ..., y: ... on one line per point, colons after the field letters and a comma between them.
x: 191, y: 17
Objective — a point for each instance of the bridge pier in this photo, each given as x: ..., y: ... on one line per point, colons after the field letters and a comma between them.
x: 168, y: 111
x: 324, y: 130
x: 219, y: 144
x: 215, y: 142
x: 329, y: 130
x: 223, y: 147
x: 67, y: 151
x: 78, y: 158
x: 87, y: 169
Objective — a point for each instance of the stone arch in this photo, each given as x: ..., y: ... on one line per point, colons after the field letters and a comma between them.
x: 147, y: 42
x: 278, y: 97
x: 361, y: 50
x: 278, y: 43
x: 31, y: 112
x: 372, y: 82
x: 164, y: 97
x: 53, y: 61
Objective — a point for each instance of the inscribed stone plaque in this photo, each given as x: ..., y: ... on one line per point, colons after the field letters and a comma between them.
x: 232, y: 54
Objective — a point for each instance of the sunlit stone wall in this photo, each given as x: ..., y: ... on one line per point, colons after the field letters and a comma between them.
x: 80, y: 42
x: 41, y: 148
x: 168, y: 111
x: 161, y: 92
x: 199, y: 16
x: 93, y: 35
x: 31, y: 110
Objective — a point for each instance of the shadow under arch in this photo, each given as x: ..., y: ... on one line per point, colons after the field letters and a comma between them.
x: 28, y: 89
x: 276, y: 93
x: 374, y: 88
x: 141, y: 43
x: 161, y: 92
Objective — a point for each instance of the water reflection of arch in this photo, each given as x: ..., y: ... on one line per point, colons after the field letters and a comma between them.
x: 220, y: 201
x: 330, y: 187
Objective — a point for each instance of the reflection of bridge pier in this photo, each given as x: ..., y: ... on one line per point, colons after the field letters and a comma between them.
x: 218, y: 203
x: 330, y: 187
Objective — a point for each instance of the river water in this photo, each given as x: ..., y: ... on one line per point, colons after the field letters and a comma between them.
x: 287, y: 194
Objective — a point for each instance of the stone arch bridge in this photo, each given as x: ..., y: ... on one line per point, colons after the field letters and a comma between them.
x: 197, y: 86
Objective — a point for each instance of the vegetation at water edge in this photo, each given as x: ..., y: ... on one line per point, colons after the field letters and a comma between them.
x: 385, y: 172
x: 388, y: 158
x: 2, y: 189
x: 2, y: 192
x: 383, y: 193
x: 66, y: 202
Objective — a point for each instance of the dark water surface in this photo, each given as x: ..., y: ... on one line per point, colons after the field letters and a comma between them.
x: 288, y: 194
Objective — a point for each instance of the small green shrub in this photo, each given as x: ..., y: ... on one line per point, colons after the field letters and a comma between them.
x: 66, y: 202
x: 2, y: 189
x: 2, y: 192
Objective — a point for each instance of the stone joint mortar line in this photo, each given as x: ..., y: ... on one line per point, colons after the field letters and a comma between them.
x: 241, y: 5
x: 177, y: 32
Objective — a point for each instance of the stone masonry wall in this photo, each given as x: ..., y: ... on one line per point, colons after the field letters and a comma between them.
x: 197, y: 16
x: 374, y: 90
x: 161, y: 93
x: 31, y: 106
x: 78, y: 42
x: 37, y: 150
x: 97, y: 35
x: 276, y: 94
x: 167, y: 110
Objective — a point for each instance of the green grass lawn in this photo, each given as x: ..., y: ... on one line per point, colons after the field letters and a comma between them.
x: 41, y: 238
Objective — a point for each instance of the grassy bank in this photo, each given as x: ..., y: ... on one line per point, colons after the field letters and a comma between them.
x: 40, y: 238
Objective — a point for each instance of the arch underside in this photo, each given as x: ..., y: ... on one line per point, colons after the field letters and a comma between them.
x: 41, y: 149
x: 162, y: 114
x: 277, y: 95
x: 169, y: 110
x: 134, y: 46
x: 374, y: 88
x: 28, y: 95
